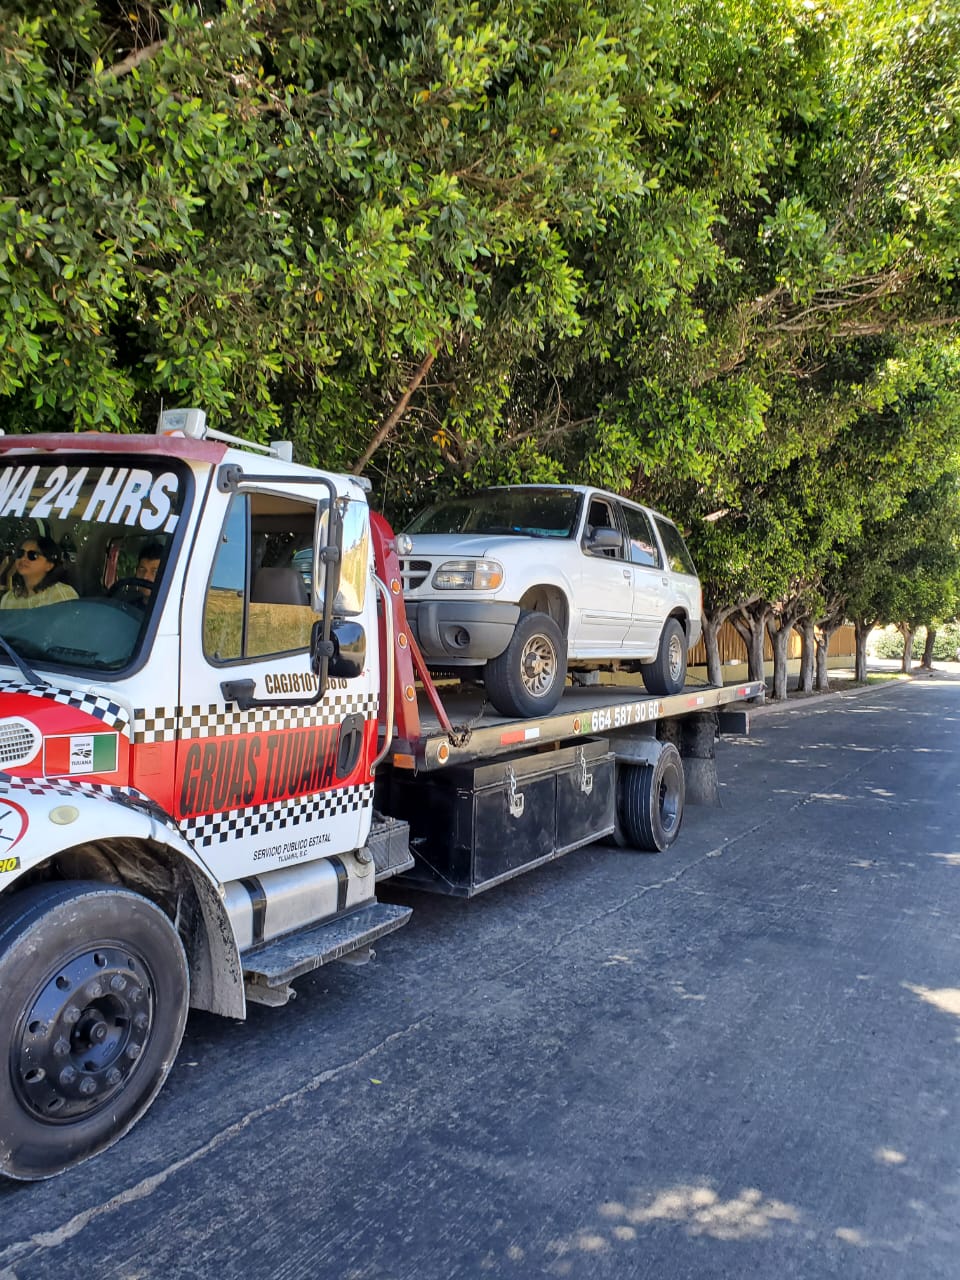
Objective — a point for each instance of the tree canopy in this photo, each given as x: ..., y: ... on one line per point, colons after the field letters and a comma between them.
x: 703, y: 253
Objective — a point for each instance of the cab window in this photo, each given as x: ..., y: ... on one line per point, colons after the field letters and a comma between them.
x: 258, y: 598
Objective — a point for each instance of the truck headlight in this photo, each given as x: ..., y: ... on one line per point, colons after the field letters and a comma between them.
x: 468, y: 575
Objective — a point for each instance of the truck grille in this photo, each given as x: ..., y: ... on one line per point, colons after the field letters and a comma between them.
x: 19, y: 741
x: 414, y: 573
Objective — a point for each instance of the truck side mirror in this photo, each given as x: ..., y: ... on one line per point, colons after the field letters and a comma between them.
x: 347, y: 651
x: 325, y: 573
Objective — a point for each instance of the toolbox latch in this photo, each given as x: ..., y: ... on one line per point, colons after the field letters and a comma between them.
x: 586, y: 779
x: 515, y: 799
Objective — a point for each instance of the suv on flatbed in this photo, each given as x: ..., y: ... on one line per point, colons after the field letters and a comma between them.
x: 529, y: 582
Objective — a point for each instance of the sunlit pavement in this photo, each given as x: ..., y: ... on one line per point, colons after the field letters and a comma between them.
x: 737, y: 1059
x: 842, y: 682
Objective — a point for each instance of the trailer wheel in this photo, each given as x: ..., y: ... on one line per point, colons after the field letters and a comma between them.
x: 650, y: 802
x: 527, y: 678
x: 667, y: 674
x: 93, y: 1003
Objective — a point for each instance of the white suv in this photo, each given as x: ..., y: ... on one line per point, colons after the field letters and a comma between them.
x: 530, y: 581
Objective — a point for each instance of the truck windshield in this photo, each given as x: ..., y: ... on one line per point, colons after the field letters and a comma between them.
x: 83, y: 555
x: 525, y: 512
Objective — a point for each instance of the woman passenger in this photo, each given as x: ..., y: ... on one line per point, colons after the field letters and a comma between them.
x: 38, y: 576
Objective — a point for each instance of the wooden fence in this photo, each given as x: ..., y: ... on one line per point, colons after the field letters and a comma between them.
x: 732, y: 649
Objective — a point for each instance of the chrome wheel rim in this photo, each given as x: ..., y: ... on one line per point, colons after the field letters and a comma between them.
x: 538, y: 666
x: 675, y: 657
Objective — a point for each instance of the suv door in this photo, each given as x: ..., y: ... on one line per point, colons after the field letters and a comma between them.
x: 651, y: 585
x: 604, y: 588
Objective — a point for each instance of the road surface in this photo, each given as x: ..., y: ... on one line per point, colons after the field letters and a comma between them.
x: 736, y: 1059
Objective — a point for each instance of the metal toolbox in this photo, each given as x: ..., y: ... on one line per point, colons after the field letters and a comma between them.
x: 481, y: 823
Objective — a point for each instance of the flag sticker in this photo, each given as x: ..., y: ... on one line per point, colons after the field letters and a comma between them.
x: 80, y: 753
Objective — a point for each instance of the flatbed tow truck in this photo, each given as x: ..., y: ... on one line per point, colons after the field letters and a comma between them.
x: 207, y: 772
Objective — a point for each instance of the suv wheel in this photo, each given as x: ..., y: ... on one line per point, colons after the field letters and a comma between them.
x: 527, y: 678
x: 668, y: 672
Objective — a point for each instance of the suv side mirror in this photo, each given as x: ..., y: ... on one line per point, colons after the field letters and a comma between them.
x: 604, y: 540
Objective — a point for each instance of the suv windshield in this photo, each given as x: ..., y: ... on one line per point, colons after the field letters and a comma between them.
x: 529, y: 513
x: 83, y: 549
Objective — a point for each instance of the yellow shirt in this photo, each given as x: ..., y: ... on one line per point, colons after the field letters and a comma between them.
x: 59, y: 592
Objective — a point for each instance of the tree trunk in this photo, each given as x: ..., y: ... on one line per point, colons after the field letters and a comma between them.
x: 807, y: 654
x: 927, y: 660
x: 751, y: 629
x: 825, y: 630
x: 711, y: 631
x: 862, y: 628
x: 907, y: 632
x: 779, y: 639
x: 862, y: 631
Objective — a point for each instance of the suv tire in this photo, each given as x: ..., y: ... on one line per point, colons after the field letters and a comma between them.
x: 527, y: 678
x: 667, y: 673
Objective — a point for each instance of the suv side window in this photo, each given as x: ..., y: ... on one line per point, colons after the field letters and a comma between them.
x: 258, y: 601
x: 643, y: 544
x: 678, y: 557
x: 601, y: 515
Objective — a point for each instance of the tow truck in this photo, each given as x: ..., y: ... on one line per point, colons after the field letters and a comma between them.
x: 207, y: 772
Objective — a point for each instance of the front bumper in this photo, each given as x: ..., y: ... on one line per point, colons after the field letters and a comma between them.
x: 461, y: 631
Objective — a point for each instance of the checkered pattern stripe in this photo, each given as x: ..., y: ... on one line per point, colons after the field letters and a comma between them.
x: 34, y: 786
x: 167, y: 724
x: 92, y: 704
x: 213, y: 828
x: 68, y: 789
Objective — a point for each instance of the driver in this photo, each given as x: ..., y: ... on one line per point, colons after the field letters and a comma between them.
x: 38, y: 576
x: 138, y: 590
x: 148, y: 564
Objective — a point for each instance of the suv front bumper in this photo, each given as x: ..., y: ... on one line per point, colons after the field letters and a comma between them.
x: 461, y: 630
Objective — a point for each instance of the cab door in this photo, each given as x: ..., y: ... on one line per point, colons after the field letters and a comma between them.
x: 287, y: 781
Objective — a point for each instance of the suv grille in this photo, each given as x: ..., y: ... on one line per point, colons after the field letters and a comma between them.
x: 414, y: 573
x: 19, y: 741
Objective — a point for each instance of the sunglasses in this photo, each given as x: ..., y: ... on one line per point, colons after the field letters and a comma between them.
x: 21, y: 554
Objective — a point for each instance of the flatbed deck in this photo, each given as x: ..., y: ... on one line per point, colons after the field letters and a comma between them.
x: 480, y: 733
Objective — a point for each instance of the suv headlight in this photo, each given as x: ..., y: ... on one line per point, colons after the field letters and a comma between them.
x: 468, y: 575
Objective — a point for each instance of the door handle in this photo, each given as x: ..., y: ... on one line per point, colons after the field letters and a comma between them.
x: 626, y: 573
x: 665, y: 581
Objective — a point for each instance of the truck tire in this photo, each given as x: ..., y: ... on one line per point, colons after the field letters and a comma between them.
x: 650, y: 802
x: 527, y: 678
x: 93, y: 1002
x: 668, y: 672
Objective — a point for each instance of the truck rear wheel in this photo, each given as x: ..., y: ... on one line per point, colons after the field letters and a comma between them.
x: 667, y: 674
x: 93, y: 1003
x: 527, y: 678
x: 650, y: 802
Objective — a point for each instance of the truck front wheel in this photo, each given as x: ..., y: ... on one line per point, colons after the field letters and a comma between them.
x: 650, y: 802
x: 93, y: 1003
x: 527, y: 678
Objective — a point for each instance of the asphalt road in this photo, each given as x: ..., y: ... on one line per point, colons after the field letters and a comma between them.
x: 737, y: 1059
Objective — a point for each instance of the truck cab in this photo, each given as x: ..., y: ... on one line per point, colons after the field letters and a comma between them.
x: 189, y: 690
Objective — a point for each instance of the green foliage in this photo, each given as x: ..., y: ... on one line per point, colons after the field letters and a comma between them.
x: 889, y: 643
x: 704, y: 253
